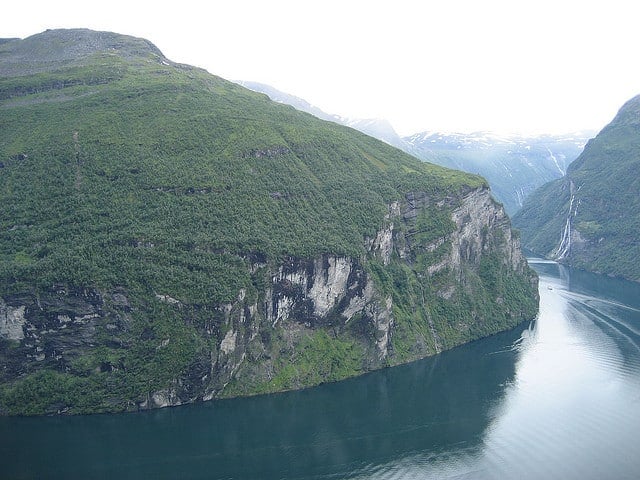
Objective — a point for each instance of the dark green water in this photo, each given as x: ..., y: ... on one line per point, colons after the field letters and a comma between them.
x: 559, y: 398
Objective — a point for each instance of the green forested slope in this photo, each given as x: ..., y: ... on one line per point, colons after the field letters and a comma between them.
x: 600, y: 195
x: 137, y: 154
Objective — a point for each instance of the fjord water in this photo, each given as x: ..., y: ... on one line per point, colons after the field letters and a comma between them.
x: 557, y: 398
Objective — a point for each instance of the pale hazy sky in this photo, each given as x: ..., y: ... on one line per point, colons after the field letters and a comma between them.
x: 456, y: 65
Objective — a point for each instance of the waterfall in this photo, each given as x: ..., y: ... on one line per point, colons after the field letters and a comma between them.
x: 564, y: 248
x: 565, y: 242
x: 555, y: 161
x: 520, y: 196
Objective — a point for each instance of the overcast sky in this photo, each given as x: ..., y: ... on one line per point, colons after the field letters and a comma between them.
x: 454, y: 65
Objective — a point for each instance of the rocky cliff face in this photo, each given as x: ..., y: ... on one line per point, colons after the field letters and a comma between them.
x: 478, y: 221
x: 311, y: 320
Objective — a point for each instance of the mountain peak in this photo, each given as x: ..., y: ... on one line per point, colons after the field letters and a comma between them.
x: 629, y: 113
x: 52, y: 49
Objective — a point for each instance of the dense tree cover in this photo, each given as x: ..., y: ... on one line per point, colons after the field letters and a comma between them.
x: 167, y: 172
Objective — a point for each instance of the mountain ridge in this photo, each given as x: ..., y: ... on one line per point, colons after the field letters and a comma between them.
x: 65, y: 47
x: 374, y: 127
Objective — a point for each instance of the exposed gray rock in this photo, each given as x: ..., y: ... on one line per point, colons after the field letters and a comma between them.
x: 12, y: 321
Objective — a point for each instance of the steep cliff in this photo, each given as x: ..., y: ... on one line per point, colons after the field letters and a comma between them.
x: 298, y: 323
x: 171, y: 237
x: 589, y: 218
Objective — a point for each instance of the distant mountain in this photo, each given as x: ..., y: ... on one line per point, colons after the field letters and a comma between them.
x: 287, y: 99
x: 377, y: 128
x: 374, y: 127
x: 513, y: 165
x: 590, y: 218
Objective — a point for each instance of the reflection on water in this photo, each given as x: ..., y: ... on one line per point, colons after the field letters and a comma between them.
x: 573, y: 407
x: 556, y: 399
x: 573, y: 410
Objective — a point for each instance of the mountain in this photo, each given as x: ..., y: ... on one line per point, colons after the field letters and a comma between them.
x: 590, y: 218
x: 288, y: 99
x: 375, y: 127
x: 167, y: 236
x: 513, y: 165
